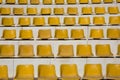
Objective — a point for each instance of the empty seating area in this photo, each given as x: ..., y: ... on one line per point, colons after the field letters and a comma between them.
x: 58, y: 2
x: 46, y: 50
x: 57, y: 21
x: 94, y: 33
x: 59, y: 39
x: 66, y: 71
x: 89, y: 10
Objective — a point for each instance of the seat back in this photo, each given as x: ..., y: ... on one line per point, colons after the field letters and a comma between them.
x: 25, y: 71
x: 68, y: 70
x: 113, y: 70
x: 3, y: 72
x: 93, y: 71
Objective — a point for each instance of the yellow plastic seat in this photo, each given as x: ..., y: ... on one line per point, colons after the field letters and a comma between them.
x: 58, y: 11
x: 65, y: 51
x: 99, y: 20
x: 39, y: 21
x: 31, y: 11
x: 3, y: 72
x: 48, y: 69
x: 86, y: 10
x: 18, y: 11
x: 59, y: 1
x: 45, y: 11
x: 113, y: 71
x: 9, y: 34
x: 93, y: 71
x: 118, y: 1
x: 107, y: 1
x: 103, y: 50
x: 118, y: 50
x: 5, y: 11
x: 26, y: 34
x: 72, y: 10
x: 10, y: 1
x: 84, y: 50
x: 53, y: 21
x: 47, y: 2
x: 113, y: 33
x: 69, y: 21
x: 22, y: 1
x: 26, y: 51
x: 44, y: 50
x: 34, y: 2
x: 114, y: 20
x: 7, y: 50
x: 69, y: 72
x: 24, y: 21
x: 7, y: 21
x: 113, y: 10
x: 71, y: 1
x: 61, y: 33
x: 83, y: 1
x: 93, y: 79
x: 96, y: 33
x: 77, y: 33
x: 100, y: 10
x: 84, y: 21
x: 95, y: 1
x: 0, y: 1
x: 44, y: 34
x: 24, y: 72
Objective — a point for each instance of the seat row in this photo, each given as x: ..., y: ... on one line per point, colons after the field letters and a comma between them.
x: 67, y: 72
x: 49, y: 2
x: 112, y: 33
x: 55, y: 21
x: 59, y: 11
x: 45, y: 50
